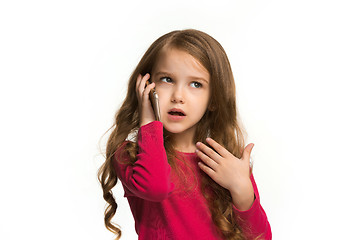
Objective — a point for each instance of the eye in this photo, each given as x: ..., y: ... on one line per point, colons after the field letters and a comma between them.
x: 196, y: 84
x: 166, y: 79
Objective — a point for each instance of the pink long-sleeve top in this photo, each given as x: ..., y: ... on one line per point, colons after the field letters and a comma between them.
x: 166, y: 206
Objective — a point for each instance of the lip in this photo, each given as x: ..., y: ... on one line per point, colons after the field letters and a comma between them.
x: 177, y: 110
x: 176, y: 117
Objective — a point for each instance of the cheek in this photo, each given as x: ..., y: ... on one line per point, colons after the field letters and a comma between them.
x: 161, y: 89
x: 163, y: 98
x: 200, y: 97
x: 204, y: 103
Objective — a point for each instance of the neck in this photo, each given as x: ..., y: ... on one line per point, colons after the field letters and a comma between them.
x: 184, y: 142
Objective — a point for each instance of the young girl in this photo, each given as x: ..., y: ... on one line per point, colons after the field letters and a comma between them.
x: 187, y: 176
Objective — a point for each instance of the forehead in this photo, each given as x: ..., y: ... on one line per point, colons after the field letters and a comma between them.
x: 175, y: 60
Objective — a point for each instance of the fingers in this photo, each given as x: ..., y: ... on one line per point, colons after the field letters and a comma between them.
x: 204, y: 150
x: 247, y: 151
x: 138, y: 81
x: 146, y: 111
x: 142, y: 91
x: 145, y: 93
x: 209, y: 171
x: 218, y: 148
x: 207, y: 160
x: 148, y: 88
x: 221, y: 152
x: 140, y: 84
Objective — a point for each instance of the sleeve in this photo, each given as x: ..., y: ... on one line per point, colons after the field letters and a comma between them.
x: 254, y: 221
x: 149, y: 177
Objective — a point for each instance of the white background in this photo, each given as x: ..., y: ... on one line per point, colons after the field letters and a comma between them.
x: 64, y: 67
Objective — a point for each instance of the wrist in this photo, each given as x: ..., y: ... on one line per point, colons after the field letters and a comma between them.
x: 145, y: 122
x: 243, y: 196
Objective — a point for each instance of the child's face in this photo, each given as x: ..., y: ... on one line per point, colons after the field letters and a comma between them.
x: 182, y: 84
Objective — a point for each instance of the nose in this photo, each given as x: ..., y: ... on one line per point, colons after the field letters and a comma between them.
x: 177, y: 95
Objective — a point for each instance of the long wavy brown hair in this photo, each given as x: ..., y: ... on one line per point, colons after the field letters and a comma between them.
x: 220, y: 122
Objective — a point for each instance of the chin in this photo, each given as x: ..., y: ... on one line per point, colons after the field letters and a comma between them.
x: 176, y: 128
x: 173, y: 130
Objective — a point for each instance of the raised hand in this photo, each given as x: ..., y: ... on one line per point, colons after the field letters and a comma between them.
x: 142, y: 93
x: 228, y: 171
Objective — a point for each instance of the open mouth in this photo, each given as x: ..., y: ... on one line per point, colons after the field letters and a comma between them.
x: 176, y: 112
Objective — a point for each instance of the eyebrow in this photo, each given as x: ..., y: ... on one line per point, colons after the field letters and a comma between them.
x: 191, y: 77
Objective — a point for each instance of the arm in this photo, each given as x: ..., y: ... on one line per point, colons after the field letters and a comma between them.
x: 233, y: 174
x: 254, y: 220
x: 149, y: 177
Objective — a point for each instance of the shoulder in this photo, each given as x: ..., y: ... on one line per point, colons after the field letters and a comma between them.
x: 122, y: 154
